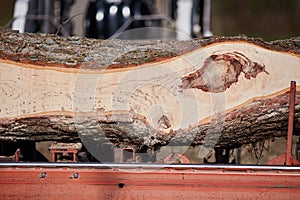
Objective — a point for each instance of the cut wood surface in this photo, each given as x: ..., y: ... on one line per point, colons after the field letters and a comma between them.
x: 212, y: 91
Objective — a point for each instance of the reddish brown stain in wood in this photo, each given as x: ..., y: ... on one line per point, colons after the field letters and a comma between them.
x: 220, y: 71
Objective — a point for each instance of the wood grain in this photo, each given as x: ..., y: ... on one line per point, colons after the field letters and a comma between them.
x: 212, y: 91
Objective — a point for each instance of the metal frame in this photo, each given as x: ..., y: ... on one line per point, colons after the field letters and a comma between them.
x: 64, y: 149
x: 147, y: 181
x: 130, y: 20
x: 129, y: 150
x: 15, y: 158
x: 151, y: 166
x: 54, y: 154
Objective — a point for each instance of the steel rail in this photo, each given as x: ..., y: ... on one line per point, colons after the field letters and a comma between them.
x: 151, y: 166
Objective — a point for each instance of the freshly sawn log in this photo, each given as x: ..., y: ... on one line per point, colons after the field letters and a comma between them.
x: 224, y: 91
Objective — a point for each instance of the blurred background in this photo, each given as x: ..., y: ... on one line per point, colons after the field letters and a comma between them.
x: 267, y: 19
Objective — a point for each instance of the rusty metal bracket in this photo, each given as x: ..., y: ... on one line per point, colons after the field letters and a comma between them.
x: 287, y: 158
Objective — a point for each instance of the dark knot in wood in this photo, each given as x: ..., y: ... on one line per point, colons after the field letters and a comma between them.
x: 164, y: 122
x: 220, y: 71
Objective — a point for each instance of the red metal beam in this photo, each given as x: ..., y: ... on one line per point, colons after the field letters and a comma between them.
x: 94, y: 183
x: 287, y: 158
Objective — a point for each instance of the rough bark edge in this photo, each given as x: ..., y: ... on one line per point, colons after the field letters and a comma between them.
x: 241, y: 126
x: 72, y: 52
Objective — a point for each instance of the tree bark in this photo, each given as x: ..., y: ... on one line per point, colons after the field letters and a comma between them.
x: 216, y: 91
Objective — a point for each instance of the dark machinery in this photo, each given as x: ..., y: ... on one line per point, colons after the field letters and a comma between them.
x: 106, y: 18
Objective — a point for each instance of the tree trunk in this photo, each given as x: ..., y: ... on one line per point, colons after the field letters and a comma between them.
x: 212, y: 91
